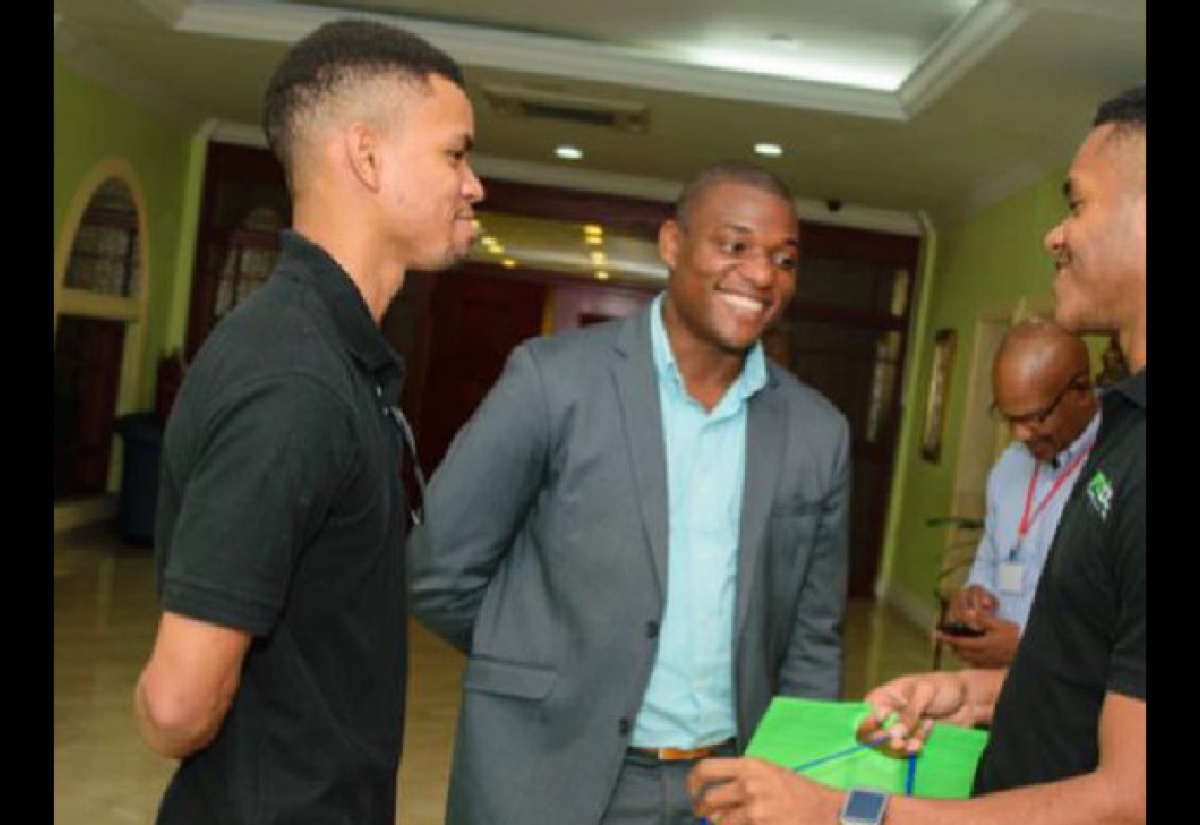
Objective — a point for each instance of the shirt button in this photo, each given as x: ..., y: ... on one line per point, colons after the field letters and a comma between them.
x: 623, y: 727
x: 651, y: 629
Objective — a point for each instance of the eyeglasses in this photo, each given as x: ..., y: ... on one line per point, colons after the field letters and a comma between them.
x: 1078, y: 381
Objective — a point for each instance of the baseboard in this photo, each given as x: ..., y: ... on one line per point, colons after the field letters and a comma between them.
x: 69, y: 515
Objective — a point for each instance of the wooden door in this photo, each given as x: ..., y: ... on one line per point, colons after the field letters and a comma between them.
x: 845, y: 334
x: 475, y: 320
x: 87, y: 375
x: 585, y: 303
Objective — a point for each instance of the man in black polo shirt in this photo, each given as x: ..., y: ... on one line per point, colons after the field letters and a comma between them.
x: 277, y: 675
x: 1068, y: 718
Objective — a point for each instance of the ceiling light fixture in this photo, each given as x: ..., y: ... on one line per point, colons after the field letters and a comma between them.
x: 768, y: 150
x: 568, y: 152
x: 509, y: 263
x: 601, y: 275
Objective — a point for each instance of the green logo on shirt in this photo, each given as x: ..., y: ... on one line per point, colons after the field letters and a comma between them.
x: 1100, y: 493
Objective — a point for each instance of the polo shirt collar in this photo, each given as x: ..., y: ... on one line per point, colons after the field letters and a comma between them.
x: 1133, y: 388
x: 309, y: 263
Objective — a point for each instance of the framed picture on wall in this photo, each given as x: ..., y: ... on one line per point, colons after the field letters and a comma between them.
x: 944, y: 341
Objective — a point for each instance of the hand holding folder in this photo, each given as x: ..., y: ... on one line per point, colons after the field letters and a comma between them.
x: 821, y: 740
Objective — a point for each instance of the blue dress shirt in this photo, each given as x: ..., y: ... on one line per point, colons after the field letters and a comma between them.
x: 689, y: 700
x: 1007, y: 490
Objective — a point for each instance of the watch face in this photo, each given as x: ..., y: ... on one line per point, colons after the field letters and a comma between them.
x: 863, y: 807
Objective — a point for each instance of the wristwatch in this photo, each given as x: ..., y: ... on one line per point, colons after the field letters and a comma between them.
x: 863, y: 806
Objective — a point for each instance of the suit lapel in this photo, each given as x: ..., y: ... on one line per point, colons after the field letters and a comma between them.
x: 637, y: 392
x: 766, y: 429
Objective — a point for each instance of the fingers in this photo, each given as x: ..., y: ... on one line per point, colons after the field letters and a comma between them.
x: 977, y: 600
x: 889, y: 698
x: 911, y: 727
x: 916, y: 702
x: 710, y: 783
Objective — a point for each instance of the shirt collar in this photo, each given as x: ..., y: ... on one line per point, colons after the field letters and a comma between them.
x: 1082, y: 442
x: 307, y: 262
x: 1133, y: 388
x: 750, y: 380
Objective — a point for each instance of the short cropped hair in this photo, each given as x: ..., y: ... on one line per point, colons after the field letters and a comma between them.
x: 333, y: 57
x: 1125, y: 109
x: 726, y: 171
x: 1125, y: 115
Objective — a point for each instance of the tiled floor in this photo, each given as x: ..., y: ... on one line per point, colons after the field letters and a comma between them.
x: 104, y: 617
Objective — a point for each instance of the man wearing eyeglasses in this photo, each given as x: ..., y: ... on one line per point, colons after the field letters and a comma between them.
x: 1042, y: 391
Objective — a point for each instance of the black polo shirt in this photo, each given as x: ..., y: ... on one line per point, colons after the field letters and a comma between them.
x: 1086, y: 634
x: 282, y: 513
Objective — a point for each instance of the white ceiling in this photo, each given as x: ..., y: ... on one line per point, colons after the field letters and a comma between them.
x: 907, y: 112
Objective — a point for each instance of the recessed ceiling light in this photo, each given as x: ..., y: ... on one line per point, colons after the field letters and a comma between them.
x: 509, y: 263
x: 592, y: 229
x: 568, y: 152
x: 599, y: 258
x: 601, y: 275
x: 594, y: 240
x: 769, y: 150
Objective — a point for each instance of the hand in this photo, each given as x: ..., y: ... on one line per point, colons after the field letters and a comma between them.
x: 751, y: 791
x: 996, y: 648
x: 917, y: 701
x: 970, y: 604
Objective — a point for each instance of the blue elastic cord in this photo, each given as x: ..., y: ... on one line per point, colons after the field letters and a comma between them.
x: 879, y: 740
x: 910, y: 779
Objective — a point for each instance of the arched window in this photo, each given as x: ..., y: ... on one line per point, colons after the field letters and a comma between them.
x: 99, y: 310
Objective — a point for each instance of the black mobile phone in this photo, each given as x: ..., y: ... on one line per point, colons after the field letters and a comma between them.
x: 960, y: 629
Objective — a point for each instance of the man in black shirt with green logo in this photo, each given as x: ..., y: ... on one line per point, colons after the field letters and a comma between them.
x: 1068, y: 718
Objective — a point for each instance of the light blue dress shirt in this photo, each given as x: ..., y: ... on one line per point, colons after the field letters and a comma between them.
x: 1007, y: 489
x: 689, y: 700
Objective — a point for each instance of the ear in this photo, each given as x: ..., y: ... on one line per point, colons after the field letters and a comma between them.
x: 361, y: 145
x: 668, y: 242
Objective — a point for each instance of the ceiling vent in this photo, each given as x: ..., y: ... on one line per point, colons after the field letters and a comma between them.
x: 513, y: 101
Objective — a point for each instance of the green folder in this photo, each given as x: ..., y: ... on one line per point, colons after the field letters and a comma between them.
x: 794, y: 732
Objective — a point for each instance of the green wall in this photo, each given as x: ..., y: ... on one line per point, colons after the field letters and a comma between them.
x: 93, y: 125
x: 981, y: 268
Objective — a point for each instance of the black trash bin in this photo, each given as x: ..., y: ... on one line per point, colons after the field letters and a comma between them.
x: 141, y: 434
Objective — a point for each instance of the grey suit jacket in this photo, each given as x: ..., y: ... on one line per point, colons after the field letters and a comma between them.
x: 544, y: 557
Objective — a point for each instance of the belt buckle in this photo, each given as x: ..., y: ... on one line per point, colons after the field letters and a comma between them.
x: 683, y: 754
x: 686, y: 754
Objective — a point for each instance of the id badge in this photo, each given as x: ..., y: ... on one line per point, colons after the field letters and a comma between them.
x: 1011, y: 577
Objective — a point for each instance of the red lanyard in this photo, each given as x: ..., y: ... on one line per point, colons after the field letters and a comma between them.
x: 1027, y: 519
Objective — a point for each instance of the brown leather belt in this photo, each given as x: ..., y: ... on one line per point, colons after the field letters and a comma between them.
x: 683, y: 754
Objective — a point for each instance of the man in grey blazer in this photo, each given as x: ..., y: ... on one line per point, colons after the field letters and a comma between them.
x: 640, y: 537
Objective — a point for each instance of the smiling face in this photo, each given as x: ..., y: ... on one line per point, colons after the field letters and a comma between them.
x: 427, y: 187
x: 732, y: 265
x: 1099, y: 248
